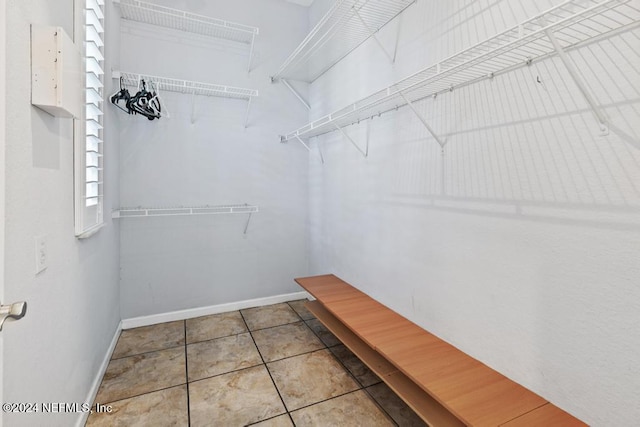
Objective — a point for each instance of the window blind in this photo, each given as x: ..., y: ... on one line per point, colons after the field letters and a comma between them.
x: 89, y: 151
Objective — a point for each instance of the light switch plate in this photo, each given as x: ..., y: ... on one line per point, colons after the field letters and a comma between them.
x: 41, y: 254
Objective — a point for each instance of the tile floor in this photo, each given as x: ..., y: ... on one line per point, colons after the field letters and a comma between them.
x: 266, y: 366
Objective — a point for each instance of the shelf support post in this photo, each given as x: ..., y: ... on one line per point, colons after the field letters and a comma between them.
x: 193, y: 108
x: 320, y: 152
x: 595, y: 108
x: 373, y: 34
x: 364, y: 154
x: 309, y: 148
x: 246, y: 226
x: 246, y: 117
x: 303, y: 143
x: 253, y: 40
x: 422, y: 120
x: 296, y: 94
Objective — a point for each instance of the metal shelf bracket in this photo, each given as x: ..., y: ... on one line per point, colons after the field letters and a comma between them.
x: 193, y: 108
x: 575, y: 76
x: 364, y: 153
x: 309, y: 148
x: 296, y: 94
x: 246, y: 226
x: 372, y: 34
x: 246, y: 116
x: 423, y: 121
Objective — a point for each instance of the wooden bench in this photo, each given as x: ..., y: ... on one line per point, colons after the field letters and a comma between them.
x: 443, y: 385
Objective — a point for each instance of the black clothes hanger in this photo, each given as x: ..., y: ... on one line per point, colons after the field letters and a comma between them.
x: 144, y: 102
x: 122, y: 95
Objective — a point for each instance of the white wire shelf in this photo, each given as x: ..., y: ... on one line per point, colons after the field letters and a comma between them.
x: 142, y: 212
x: 154, y: 14
x: 186, y: 86
x: 573, y: 23
x: 342, y: 29
x: 149, y: 13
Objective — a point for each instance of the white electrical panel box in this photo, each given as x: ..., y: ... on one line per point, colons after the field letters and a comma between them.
x: 57, y: 84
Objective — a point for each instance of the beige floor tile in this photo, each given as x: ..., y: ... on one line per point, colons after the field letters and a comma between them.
x: 160, y: 408
x: 149, y: 338
x: 281, y: 421
x: 321, y: 331
x: 134, y: 375
x: 310, y: 378
x: 214, y: 326
x: 358, y: 369
x: 353, y: 409
x: 268, y: 316
x: 298, y: 307
x: 285, y: 341
x: 234, y: 399
x: 222, y: 355
x: 395, y: 407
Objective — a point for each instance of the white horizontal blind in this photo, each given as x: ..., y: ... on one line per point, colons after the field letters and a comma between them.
x: 89, y: 163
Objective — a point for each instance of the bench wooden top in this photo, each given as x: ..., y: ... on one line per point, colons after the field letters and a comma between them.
x: 473, y: 392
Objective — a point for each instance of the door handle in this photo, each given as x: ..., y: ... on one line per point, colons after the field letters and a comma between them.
x: 17, y: 310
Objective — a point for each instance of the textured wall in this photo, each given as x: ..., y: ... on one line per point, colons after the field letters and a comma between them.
x: 202, y: 155
x: 54, y: 353
x: 520, y: 243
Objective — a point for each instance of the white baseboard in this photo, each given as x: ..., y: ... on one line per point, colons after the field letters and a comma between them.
x: 136, y: 322
x: 98, y: 378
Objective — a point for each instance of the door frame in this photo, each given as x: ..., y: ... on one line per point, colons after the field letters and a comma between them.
x: 3, y: 135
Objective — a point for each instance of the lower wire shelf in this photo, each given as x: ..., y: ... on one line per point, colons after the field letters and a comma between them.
x: 141, y: 212
x: 145, y: 212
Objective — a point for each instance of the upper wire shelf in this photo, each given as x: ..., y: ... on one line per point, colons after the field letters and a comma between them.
x: 342, y: 29
x: 141, y: 212
x: 149, y: 13
x: 573, y: 22
x: 186, y: 86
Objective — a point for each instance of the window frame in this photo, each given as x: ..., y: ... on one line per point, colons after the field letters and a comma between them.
x: 89, y: 150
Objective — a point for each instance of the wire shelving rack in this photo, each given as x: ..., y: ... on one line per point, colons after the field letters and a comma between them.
x: 563, y: 27
x: 342, y: 29
x: 147, y: 212
x: 150, y: 13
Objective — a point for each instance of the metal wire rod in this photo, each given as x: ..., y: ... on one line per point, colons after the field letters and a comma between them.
x: 595, y: 108
x: 296, y: 94
x: 351, y: 140
x: 424, y: 122
x: 373, y: 35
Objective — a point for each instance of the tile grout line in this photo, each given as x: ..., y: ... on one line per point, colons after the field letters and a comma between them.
x: 375, y: 401
x: 360, y: 387
x: 320, y: 338
x: 146, y: 352
x: 357, y: 381
x: 145, y: 393
x: 275, y: 326
x: 267, y: 369
x: 327, y: 399
x: 186, y: 373
x: 261, y: 363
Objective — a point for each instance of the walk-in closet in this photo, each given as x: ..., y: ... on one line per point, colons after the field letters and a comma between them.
x: 320, y: 212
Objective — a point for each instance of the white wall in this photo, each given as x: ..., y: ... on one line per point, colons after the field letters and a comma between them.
x: 54, y: 353
x: 523, y: 250
x: 178, y: 263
